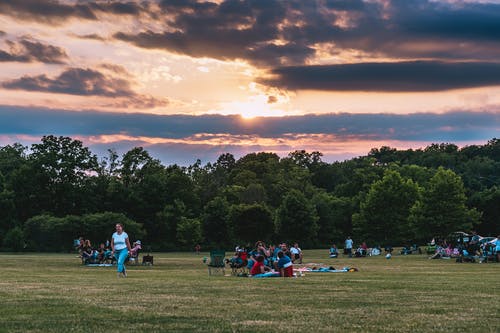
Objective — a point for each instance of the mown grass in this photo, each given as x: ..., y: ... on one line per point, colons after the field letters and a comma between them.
x: 54, y: 293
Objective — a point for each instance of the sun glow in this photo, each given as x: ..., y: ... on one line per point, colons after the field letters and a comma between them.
x: 254, y: 106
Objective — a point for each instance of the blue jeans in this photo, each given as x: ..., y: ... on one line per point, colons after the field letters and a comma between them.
x: 121, y: 256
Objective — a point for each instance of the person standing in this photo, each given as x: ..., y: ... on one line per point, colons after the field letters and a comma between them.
x: 348, y: 246
x: 120, y: 248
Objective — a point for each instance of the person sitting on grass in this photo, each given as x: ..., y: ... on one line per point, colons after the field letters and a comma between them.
x: 101, y: 253
x: 258, y: 266
x: 87, y: 252
x: 260, y: 249
x: 334, y: 252
x: 296, y: 253
x: 285, y: 265
x: 364, y: 249
x: 80, y: 247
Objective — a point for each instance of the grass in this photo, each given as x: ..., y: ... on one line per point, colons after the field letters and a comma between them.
x: 54, y: 293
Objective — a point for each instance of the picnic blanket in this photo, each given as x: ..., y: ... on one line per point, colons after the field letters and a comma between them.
x: 329, y: 270
x: 267, y: 275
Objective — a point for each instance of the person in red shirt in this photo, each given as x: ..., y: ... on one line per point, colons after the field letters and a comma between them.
x: 258, y: 266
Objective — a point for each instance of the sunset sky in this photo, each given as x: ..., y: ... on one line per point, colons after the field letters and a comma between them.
x: 189, y: 79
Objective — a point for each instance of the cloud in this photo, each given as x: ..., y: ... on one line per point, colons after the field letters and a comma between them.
x: 58, y: 12
x: 2, y: 33
x: 183, y: 139
x: 387, y: 77
x: 113, y: 83
x: 90, y: 36
x: 277, y: 33
x: 74, y: 81
x: 33, y: 51
x: 459, y: 125
x: 116, y: 69
x: 45, y: 11
x: 272, y: 99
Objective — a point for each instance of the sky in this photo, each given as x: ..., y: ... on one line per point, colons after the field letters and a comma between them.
x: 193, y: 79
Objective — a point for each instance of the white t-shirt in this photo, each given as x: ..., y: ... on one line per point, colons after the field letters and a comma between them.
x: 295, y: 250
x: 119, y: 241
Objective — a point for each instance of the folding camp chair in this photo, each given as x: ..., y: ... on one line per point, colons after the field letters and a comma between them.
x: 216, y: 262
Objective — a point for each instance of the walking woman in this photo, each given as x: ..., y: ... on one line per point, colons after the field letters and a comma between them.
x: 120, y: 248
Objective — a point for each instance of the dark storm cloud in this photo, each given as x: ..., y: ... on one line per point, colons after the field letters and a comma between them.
x: 274, y: 32
x: 391, y: 77
x: 229, y: 30
x: 33, y: 51
x: 248, y: 29
x: 455, y: 126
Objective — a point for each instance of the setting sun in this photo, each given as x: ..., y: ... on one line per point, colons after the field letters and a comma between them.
x: 254, y: 106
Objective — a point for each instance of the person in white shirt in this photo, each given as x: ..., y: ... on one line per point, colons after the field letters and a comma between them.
x: 120, y: 248
x: 296, y: 253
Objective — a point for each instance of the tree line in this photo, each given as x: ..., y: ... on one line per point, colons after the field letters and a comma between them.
x: 58, y: 190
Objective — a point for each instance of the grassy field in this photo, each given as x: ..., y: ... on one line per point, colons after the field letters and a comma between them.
x: 54, y: 293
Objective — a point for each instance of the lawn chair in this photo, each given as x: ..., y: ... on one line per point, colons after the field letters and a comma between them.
x: 133, y: 259
x: 431, y: 248
x: 217, y: 262
x: 147, y: 260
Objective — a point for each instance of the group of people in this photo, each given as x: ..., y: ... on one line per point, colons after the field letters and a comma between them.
x: 469, y: 249
x: 90, y: 254
x: 118, y: 249
x: 263, y: 259
x: 361, y: 251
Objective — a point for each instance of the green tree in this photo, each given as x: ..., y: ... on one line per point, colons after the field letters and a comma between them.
x: 7, y: 209
x: 11, y: 158
x: 488, y: 202
x: 60, y: 166
x: 132, y: 162
x: 99, y: 227
x: 251, y: 222
x: 334, y: 218
x: 188, y: 232
x: 49, y: 233
x: 384, y: 212
x: 442, y: 208
x: 297, y: 219
x: 165, y: 226
x: 216, y: 222
x: 14, y: 240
